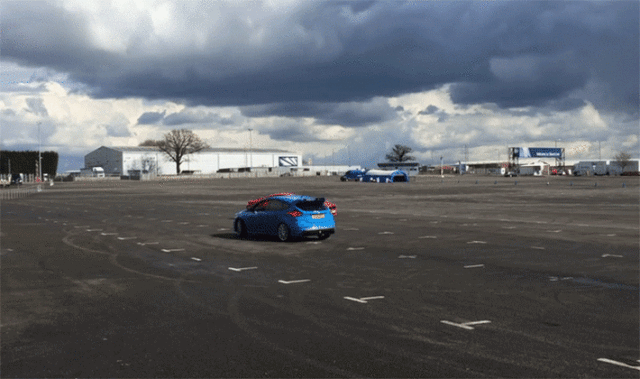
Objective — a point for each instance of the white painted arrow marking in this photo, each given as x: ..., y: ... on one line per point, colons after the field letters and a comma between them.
x: 465, y: 325
x: 605, y: 360
x: 474, y: 266
x: 612, y: 255
x: 242, y: 268
x: 363, y: 300
x: 126, y: 238
x: 171, y: 250
x: 294, y: 281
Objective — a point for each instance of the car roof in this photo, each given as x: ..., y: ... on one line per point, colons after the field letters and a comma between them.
x: 292, y: 198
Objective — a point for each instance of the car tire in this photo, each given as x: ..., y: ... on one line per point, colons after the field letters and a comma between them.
x: 323, y: 235
x: 240, y: 228
x: 283, y: 232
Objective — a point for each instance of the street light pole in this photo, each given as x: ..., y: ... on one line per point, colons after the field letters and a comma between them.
x: 250, y: 150
x: 39, y: 154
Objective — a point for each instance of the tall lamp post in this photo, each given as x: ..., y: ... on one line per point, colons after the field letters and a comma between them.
x: 250, y: 150
x: 39, y: 154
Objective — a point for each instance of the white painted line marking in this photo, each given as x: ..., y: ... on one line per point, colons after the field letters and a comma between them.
x: 355, y: 248
x: 126, y: 238
x: 554, y: 231
x: 434, y: 222
x: 94, y: 230
x: 458, y: 325
x: 166, y: 221
x: 611, y: 235
x: 385, y: 233
x: 351, y: 229
x: 538, y: 247
x: 183, y: 223
x: 171, y: 250
x: 508, y: 227
x: 465, y: 325
x: 84, y: 226
x: 202, y: 226
x: 314, y: 243
x: 407, y: 256
x: 427, y: 237
x: 474, y: 266
x: 611, y: 361
x: 147, y: 243
x: 372, y: 298
x: 354, y: 299
x: 223, y: 229
x: 109, y: 234
x: 242, y: 268
x: 196, y: 259
x: 480, y: 242
x: 203, y: 214
x: 294, y: 281
x: 567, y: 278
x: 553, y: 278
x: 612, y: 256
x: 363, y: 300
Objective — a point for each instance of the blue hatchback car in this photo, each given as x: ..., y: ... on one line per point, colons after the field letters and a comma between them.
x: 287, y: 217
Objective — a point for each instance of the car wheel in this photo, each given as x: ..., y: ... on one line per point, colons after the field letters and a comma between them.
x: 283, y: 232
x: 324, y: 235
x: 240, y: 228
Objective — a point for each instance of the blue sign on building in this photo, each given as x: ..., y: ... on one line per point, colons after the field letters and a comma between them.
x: 537, y: 152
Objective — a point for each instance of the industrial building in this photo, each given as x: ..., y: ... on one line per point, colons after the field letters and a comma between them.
x: 135, y: 161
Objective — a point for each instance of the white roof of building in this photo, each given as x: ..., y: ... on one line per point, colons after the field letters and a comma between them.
x: 208, y: 150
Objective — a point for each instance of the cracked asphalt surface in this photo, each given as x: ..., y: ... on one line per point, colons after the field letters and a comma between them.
x: 441, y: 277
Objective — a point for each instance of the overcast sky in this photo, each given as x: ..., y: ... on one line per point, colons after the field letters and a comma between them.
x: 334, y: 81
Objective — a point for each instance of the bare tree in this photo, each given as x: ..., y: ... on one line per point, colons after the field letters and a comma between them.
x: 179, y: 143
x: 149, y: 142
x: 623, y: 159
x: 400, y: 153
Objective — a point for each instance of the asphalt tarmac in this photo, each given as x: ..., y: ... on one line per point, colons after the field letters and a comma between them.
x: 441, y: 277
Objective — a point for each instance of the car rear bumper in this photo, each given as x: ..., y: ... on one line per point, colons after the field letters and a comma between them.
x: 317, y: 232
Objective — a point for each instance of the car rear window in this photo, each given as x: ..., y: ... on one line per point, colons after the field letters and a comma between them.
x: 311, y: 205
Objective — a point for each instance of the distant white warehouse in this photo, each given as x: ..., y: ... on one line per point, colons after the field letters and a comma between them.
x: 132, y: 161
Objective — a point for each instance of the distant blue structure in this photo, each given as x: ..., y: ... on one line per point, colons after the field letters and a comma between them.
x: 383, y: 176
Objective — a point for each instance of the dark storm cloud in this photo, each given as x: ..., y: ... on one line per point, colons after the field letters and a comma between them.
x: 150, y: 118
x: 509, y: 53
x: 344, y: 114
x: 186, y: 116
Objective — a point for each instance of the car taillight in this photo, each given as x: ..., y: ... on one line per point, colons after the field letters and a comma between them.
x: 295, y: 213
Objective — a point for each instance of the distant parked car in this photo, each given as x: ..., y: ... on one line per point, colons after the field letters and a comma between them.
x: 16, y: 179
x: 286, y: 216
x: 511, y: 174
x: 352, y: 175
